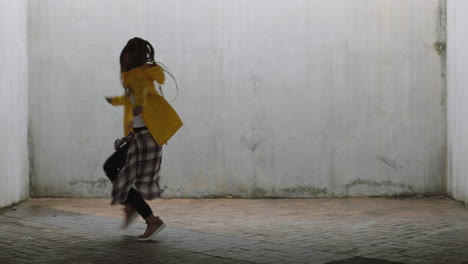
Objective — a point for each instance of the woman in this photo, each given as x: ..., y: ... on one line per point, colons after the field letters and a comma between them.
x: 149, y: 122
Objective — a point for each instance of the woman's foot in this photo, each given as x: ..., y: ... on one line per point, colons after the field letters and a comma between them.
x: 154, y: 226
x: 130, y: 215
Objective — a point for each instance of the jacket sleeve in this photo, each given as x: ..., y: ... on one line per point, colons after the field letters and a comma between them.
x: 118, y: 100
x: 155, y: 73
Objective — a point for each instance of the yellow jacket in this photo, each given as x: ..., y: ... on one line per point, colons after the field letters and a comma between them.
x: 161, y: 119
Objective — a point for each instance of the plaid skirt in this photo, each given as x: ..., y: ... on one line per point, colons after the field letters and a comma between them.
x: 141, y: 169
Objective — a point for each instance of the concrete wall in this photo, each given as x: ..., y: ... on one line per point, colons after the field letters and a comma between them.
x: 457, y: 81
x: 295, y: 99
x: 14, y: 165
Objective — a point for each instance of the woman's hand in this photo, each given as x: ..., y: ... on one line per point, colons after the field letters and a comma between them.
x: 120, y: 141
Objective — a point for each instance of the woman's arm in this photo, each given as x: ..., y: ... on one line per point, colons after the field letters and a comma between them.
x: 116, y: 100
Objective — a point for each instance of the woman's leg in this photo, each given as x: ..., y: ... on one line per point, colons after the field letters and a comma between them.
x: 138, y: 203
x: 154, y: 223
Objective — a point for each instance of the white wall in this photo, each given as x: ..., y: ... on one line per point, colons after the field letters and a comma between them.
x: 457, y: 81
x: 285, y: 98
x: 14, y: 165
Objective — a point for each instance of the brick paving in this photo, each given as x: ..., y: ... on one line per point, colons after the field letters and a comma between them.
x: 237, y: 231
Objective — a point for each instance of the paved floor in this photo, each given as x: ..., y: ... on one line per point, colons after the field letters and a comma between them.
x: 235, y: 231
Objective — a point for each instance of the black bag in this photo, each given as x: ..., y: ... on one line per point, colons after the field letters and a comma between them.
x: 116, y: 162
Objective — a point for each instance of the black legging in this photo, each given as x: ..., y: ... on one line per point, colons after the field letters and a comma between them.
x: 112, y: 167
x: 136, y: 201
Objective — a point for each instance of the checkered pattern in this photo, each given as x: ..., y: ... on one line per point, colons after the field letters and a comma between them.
x: 141, y: 170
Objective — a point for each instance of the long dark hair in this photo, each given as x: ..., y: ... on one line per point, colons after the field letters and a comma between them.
x: 138, y: 52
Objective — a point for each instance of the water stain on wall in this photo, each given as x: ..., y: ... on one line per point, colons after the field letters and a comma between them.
x: 100, y: 183
x: 251, y: 144
x: 258, y: 192
x: 309, y: 191
x: 370, y: 184
x: 390, y: 163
